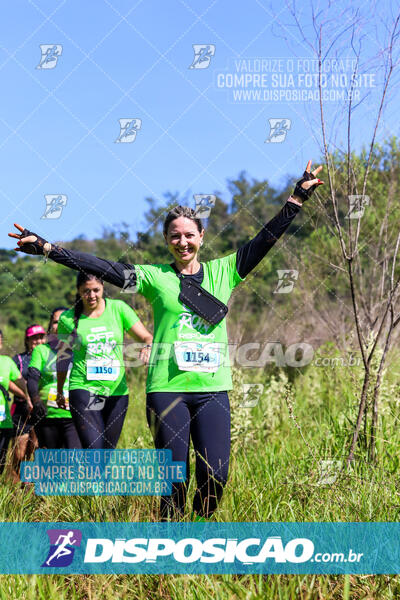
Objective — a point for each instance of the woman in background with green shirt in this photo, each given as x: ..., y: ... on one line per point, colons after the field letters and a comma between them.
x: 9, y: 374
x: 53, y: 425
x: 98, y: 392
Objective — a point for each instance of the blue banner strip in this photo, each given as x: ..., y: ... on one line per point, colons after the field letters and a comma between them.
x: 293, y: 548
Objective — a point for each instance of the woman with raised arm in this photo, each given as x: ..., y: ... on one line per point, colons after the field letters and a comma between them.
x: 189, y: 374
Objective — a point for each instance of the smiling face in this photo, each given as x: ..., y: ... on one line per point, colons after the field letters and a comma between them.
x: 35, y: 340
x: 184, y: 239
x: 91, y: 293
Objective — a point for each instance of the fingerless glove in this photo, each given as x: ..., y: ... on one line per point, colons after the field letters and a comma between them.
x: 37, y: 247
x: 300, y: 191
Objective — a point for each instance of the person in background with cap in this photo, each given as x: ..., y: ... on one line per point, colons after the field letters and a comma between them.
x: 25, y: 438
x: 9, y: 374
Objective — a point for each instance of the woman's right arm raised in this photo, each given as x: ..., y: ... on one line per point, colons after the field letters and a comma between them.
x: 114, y: 272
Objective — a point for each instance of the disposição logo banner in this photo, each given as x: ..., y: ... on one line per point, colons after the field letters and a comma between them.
x: 291, y: 548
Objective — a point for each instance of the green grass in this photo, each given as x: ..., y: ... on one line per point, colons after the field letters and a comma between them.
x: 275, y: 475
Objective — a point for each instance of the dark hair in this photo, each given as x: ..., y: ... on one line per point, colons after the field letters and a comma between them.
x: 78, y: 306
x: 182, y: 211
x: 53, y: 312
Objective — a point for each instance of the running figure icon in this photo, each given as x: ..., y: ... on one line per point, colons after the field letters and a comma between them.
x: 62, y: 542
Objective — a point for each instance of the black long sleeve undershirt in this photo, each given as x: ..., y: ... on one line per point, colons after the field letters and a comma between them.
x: 247, y: 257
x: 32, y: 382
x: 113, y: 272
x: 34, y: 375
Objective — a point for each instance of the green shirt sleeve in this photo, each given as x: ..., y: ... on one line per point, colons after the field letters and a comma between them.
x: 233, y: 272
x: 145, y: 282
x: 227, y: 265
x: 14, y: 371
x: 36, y: 359
x: 65, y: 328
x: 128, y: 315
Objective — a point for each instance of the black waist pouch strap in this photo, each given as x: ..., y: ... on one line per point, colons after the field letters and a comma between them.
x: 204, y: 304
x: 5, y: 393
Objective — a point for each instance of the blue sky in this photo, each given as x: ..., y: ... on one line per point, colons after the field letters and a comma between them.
x: 125, y: 60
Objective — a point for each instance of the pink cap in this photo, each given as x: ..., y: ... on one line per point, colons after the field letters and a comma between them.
x: 35, y: 330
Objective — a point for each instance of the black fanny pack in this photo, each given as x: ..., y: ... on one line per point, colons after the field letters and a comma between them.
x: 204, y: 304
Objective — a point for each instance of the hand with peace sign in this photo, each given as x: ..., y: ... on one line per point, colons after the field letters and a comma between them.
x: 307, y: 184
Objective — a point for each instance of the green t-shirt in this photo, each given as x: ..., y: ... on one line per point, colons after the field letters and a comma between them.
x: 8, y: 372
x: 98, y: 364
x: 188, y: 354
x: 44, y: 359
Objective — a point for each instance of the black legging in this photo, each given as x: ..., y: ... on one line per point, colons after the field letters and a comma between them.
x: 98, y: 419
x: 174, y: 418
x: 57, y: 433
x: 5, y: 437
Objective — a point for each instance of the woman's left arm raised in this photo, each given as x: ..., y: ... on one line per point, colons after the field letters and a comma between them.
x: 249, y: 255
